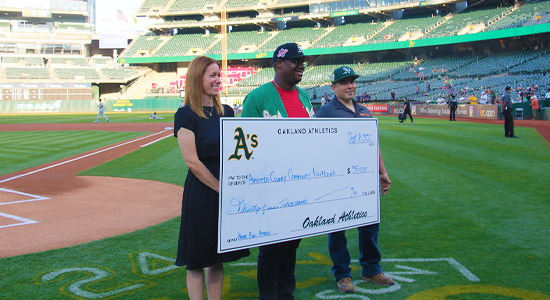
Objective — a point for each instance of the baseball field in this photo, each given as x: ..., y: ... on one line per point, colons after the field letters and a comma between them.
x: 91, y: 211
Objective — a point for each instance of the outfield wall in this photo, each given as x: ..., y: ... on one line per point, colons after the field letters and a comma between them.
x: 90, y: 106
x: 172, y: 104
x: 463, y: 111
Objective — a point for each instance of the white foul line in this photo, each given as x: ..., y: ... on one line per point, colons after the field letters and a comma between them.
x: 35, y: 197
x: 22, y: 220
x: 162, y: 138
x: 81, y: 157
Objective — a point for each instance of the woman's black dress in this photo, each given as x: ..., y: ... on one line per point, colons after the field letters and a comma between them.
x: 197, y: 246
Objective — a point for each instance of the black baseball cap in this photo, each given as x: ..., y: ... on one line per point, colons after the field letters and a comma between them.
x: 290, y: 51
x: 508, y: 87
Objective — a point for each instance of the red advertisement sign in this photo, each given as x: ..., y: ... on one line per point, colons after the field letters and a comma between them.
x: 381, y: 108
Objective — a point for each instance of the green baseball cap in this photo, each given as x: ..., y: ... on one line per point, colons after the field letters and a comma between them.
x: 343, y: 72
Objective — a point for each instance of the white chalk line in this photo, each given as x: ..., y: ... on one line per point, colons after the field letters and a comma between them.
x: 34, y: 197
x: 162, y: 138
x: 16, y: 218
x: 81, y: 157
x: 23, y: 221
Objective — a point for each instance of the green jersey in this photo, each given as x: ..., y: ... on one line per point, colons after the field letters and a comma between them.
x: 266, y: 102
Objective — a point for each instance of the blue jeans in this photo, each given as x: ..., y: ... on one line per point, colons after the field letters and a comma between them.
x: 369, y: 254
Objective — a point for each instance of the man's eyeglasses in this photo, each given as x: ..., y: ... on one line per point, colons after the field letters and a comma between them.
x: 297, y: 61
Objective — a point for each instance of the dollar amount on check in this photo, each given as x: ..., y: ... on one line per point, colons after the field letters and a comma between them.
x: 285, y: 179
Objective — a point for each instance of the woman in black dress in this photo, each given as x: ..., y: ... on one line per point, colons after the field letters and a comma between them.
x: 197, y: 127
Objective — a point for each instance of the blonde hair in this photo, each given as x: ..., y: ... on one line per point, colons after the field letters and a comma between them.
x: 193, y: 86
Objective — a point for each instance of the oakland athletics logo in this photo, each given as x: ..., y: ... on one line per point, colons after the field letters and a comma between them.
x: 241, y: 144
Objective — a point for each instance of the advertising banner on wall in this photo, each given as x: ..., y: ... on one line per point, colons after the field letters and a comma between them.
x: 48, y: 106
x: 113, y: 41
x: 463, y: 111
x: 377, y: 108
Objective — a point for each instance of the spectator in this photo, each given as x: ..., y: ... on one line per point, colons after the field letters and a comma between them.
x: 392, y: 95
x: 543, y: 71
x: 417, y: 90
x: 428, y: 87
x: 535, y: 106
x: 547, y: 96
x: 473, y: 99
x: 493, y: 96
x: 484, y: 98
x: 519, y: 89
x: 527, y: 93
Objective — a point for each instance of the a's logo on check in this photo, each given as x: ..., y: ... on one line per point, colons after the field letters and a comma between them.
x: 242, y: 140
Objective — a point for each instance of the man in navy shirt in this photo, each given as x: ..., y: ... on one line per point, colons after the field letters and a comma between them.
x: 507, y: 111
x: 344, y: 106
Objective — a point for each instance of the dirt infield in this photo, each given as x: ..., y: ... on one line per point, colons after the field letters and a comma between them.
x: 47, y: 207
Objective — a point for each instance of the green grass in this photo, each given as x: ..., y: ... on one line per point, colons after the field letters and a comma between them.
x: 85, y: 118
x: 460, y: 190
x: 20, y: 150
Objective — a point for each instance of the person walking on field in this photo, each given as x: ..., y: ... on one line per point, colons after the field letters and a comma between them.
x: 507, y: 110
x: 280, y: 98
x: 344, y: 106
x: 452, y: 108
x: 100, y: 105
x: 197, y: 128
x: 407, y: 111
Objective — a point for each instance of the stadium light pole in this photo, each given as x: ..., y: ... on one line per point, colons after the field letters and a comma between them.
x: 224, y: 49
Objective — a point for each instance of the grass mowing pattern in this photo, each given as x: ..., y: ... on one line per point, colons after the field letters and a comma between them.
x: 161, y: 161
x: 460, y: 190
x: 85, y: 118
x: 21, y: 150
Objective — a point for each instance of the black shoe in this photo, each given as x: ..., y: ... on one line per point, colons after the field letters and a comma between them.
x: 514, y: 136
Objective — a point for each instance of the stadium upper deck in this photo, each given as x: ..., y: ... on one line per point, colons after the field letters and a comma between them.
x: 324, y: 27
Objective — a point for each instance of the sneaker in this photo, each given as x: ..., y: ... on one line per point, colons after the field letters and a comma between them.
x: 96, y: 121
x: 514, y: 136
x: 345, y: 285
x: 412, y: 123
x: 401, y: 122
x: 107, y: 121
x: 379, y: 279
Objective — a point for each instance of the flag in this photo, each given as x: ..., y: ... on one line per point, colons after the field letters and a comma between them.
x: 120, y: 15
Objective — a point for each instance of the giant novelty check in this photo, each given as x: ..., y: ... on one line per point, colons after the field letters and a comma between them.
x: 286, y: 179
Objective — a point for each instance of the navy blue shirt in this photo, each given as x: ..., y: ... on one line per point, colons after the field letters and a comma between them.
x: 335, y: 109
